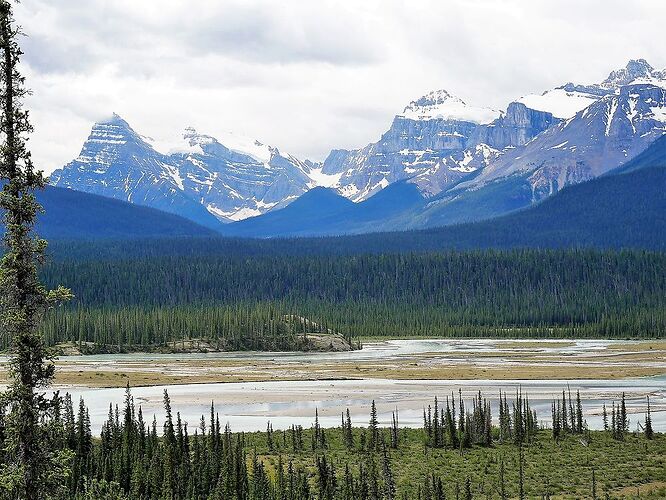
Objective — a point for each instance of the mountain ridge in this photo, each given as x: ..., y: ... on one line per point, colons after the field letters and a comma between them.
x: 75, y: 215
x: 470, y: 162
x: 395, y: 211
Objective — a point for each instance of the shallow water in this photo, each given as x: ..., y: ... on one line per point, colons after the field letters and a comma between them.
x: 384, y: 350
x: 248, y: 406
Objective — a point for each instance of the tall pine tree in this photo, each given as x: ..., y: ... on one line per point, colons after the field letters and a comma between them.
x: 24, y: 298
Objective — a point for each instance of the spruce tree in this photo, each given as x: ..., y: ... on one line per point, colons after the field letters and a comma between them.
x: 373, y: 428
x: 24, y: 299
x: 624, y: 420
x: 389, y: 481
x: 502, y: 481
x: 649, y: 433
x: 468, y: 489
x: 521, y: 473
x: 579, y: 414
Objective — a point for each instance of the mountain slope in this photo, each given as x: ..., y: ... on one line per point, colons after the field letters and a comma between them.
x: 195, y: 176
x: 605, y: 135
x: 655, y: 155
x: 436, y: 142
x: 614, y: 211
x: 627, y: 209
x: 322, y: 211
x: 76, y: 215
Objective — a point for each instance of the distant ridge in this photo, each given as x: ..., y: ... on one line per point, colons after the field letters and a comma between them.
x: 75, y: 215
x: 322, y: 211
x: 623, y: 209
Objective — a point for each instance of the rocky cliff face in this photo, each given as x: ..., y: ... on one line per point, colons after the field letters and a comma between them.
x: 516, y: 127
x: 410, y: 149
x: 597, y: 139
x: 434, y: 145
x: 196, y: 177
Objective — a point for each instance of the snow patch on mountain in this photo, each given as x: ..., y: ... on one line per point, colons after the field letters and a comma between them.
x: 567, y: 100
x: 246, y: 145
x: 320, y: 179
x: 560, y: 102
x: 440, y: 104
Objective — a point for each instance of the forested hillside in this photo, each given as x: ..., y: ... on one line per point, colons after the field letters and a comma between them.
x: 85, y: 216
x: 612, y: 212
x: 485, y: 293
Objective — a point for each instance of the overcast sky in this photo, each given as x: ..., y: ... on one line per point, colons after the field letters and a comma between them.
x: 307, y: 75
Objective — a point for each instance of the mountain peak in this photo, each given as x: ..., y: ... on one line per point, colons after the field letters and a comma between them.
x: 436, y: 97
x: 114, y: 119
x: 111, y: 131
x: 634, y: 70
x: 441, y: 104
x: 194, y: 138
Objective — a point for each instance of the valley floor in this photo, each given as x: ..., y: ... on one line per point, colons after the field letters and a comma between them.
x: 416, y: 359
x: 251, y: 387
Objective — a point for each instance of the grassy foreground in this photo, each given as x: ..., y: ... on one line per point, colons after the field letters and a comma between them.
x: 632, y: 468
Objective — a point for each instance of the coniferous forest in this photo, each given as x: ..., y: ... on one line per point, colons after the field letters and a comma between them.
x: 245, y: 302
x: 458, y: 453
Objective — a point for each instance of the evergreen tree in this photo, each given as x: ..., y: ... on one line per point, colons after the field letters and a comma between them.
x: 389, y: 482
x: 395, y: 432
x: 468, y: 489
x: 347, y: 431
x: 579, y: 414
x: 24, y: 299
x: 521, y: 473
x: 649, y: 433
x: 624, y: 420
x: 373, y: 428
x: 502, y: 481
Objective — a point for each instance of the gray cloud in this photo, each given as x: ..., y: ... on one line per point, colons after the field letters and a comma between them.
x: 306, y: 76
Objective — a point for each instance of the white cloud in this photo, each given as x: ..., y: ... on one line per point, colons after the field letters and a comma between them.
x: 306, y: 76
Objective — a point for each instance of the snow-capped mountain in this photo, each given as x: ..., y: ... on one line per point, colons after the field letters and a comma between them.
x: 439, y: 140
x: 435, y: 142
x: 440, y: 104
x: 470, y: 162
x: 569, y: 99
x: 118, y: 163
x: 196, y: 175
x: 613, y: 130
x: 601, y: 137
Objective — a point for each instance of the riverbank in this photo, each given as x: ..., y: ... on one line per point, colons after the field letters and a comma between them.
x: 434, y: 359
x: 317, y: 342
